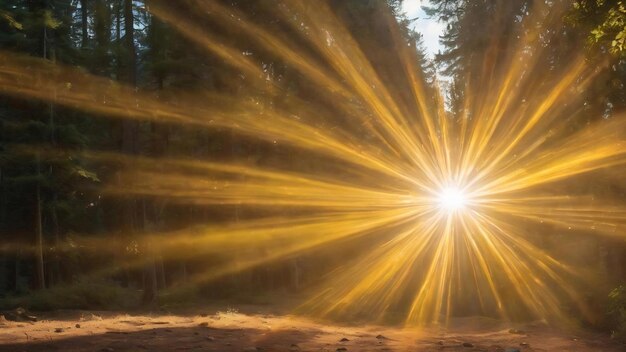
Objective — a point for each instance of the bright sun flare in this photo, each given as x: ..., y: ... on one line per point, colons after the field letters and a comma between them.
x: 451, y: 198
x: 444, y: 212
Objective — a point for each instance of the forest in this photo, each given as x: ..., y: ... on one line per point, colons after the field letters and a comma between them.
x: 287, y: 175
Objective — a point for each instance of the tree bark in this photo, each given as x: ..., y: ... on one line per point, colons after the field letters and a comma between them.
x: 150, y: 281
x: 39, y: 263
x: 130, y: 145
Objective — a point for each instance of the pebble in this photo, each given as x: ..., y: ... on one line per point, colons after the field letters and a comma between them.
x: 344, y: 340
x: 57, y: 330
x: 381, y: 337
x: 342, y: 349
x: 468, y: 344
x: 77, y: 326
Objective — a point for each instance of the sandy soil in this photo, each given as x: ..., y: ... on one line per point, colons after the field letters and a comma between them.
x: 230, y: 330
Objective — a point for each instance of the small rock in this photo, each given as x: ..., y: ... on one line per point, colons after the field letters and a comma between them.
x: 517, y: 332
x: 59, y: 330
x: 440, y: 342
x: 294, y: 348
x: 210, y: 338
x: 77, y: 326
x: 203, y: 324
x: 468, y: 344
x: 342, y: 349
x: 381, y: 337
x: 524, y: 344
x: 344, y: 340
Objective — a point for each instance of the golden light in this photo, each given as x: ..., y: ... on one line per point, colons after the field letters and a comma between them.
x: 425, y: 265
x: 452, y: 199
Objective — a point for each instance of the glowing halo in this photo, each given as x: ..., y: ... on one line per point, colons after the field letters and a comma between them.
x: 452, y: 199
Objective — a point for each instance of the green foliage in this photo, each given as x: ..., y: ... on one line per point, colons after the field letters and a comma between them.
x: 49, y: 21
x: 80, y: 171
x: 617, y: 312
x: 10, y: 20
x: 613, y: 28
x: 607, y: 20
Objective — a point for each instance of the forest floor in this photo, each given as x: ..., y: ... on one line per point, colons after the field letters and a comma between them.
x: 255, y: 328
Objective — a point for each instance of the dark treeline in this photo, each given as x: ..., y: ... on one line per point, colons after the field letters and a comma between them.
x: 50, y: 203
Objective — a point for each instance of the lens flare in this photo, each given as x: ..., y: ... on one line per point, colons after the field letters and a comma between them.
x: 452, y: 198
x: 368, y: 174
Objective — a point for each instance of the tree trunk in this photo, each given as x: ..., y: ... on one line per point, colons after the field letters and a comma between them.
x: 16, y: 272
x: 40, y: 282
x: 129, y: 127
x: 162, y: 283
x: 150, y: 281
x: 39, y: 264
x: 183, y: 271
x: 129, y: 42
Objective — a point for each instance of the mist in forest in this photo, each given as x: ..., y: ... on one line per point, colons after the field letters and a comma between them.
x: 295, y: 175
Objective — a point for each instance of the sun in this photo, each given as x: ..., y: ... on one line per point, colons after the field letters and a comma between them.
x: 452, y: 199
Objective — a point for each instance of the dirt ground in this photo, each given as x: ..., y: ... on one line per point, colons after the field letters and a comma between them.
x: 257, y: 330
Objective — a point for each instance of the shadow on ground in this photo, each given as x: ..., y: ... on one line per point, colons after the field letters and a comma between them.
x: 172, y: 339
